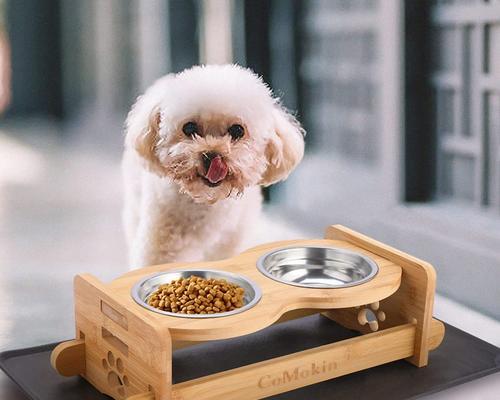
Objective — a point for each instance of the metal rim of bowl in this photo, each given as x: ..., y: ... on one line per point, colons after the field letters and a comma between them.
x: 227, y: 275
x: 369, y: 277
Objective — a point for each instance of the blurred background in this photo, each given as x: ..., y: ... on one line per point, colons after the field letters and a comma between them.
x: 400, y: 99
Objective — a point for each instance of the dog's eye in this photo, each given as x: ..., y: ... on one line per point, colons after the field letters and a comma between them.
x: 236, y: 131
x: 190, y: 128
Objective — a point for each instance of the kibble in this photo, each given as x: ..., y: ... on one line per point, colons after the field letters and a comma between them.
x: 196, y: 295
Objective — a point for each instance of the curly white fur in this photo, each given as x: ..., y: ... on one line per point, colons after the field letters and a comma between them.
x: 171, y: 212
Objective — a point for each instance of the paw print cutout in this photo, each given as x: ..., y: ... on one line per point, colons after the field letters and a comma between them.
x: 371, y: 315
x: 116, y: 379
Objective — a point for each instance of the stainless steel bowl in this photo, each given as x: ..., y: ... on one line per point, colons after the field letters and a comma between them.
x: 145, y: 288
x: 317, y: 267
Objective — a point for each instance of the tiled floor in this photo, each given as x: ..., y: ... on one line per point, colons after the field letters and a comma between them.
x: 60, y: 215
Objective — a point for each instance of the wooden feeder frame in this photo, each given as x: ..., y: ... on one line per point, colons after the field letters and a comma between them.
x: 125, y: 350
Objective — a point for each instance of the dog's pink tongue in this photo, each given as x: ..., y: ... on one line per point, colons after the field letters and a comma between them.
x: 217, y: 170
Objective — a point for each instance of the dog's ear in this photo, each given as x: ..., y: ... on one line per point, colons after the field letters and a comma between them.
x: 143, y: 124
x: 146, y: 140
x: 285, y: 147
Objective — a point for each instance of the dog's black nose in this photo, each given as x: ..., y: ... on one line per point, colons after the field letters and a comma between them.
x: 207, y: 159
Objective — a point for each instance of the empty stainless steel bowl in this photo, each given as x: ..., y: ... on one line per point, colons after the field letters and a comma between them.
x: 317, y: 267
x: 145, y: 288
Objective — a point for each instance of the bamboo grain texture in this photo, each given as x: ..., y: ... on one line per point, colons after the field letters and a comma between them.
x: 125, y: 350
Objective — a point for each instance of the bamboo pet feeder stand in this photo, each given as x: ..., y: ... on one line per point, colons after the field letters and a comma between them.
x: 125, y: 350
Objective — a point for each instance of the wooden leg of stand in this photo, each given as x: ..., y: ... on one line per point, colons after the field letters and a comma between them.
x: 68, y: 358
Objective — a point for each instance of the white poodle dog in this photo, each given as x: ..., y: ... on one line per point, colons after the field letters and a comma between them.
x: 199, y: 144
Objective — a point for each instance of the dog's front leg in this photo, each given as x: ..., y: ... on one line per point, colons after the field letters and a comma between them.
x: 141, y: 254
x: 160, y: 238
x: 154, y: 243
x: 150, y: 243
x: 159, y: 245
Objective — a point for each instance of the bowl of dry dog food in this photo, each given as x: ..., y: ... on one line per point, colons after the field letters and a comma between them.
x: 196, y: 293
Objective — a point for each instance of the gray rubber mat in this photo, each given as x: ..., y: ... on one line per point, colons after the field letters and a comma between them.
x: 460, y: 358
